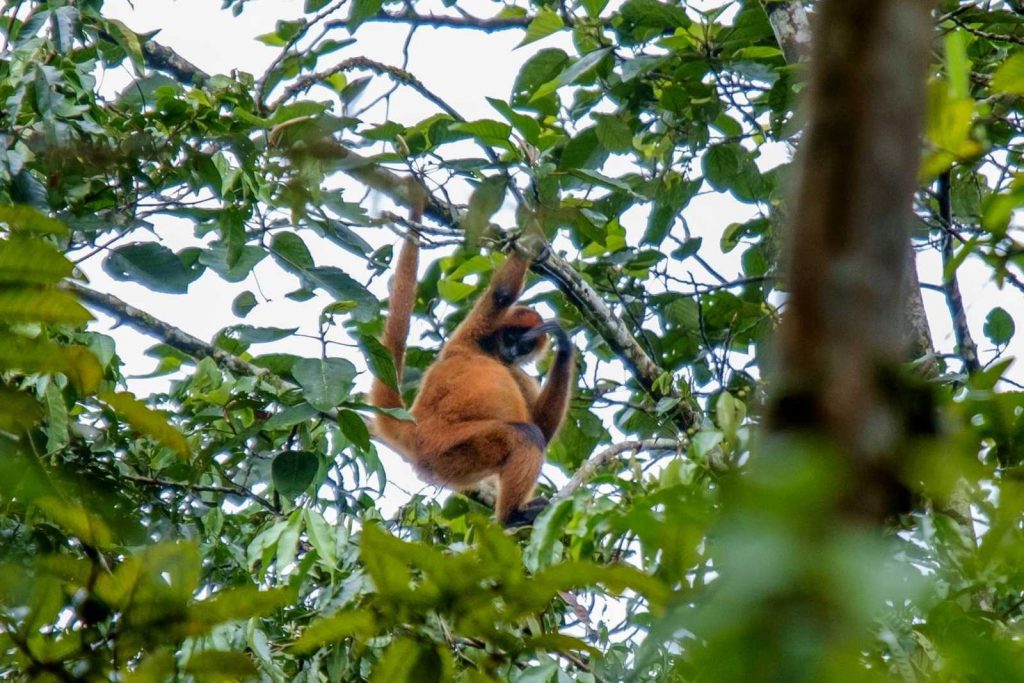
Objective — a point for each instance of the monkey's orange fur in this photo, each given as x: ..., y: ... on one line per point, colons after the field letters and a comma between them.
x: 477, y: 413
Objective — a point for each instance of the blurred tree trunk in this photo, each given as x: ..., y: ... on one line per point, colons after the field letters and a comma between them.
x: 842, y: 341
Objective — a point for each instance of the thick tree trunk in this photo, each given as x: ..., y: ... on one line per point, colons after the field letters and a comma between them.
x: 841, y: 341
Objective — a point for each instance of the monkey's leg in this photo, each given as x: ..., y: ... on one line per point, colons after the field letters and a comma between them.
x: 461, y: 454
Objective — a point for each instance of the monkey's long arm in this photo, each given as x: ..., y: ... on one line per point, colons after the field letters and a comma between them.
x: 505, y: 288
x: 552, y: 404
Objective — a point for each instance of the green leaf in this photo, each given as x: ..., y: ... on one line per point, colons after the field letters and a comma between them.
x: 245, y: 602
x: 57, y: 436
x: 999, y: 326
x: 323, y: 537
x: 361, y: 11
x: 30, y: 304
x: 485, y: 201
x: 410, y: 661
x: 653, y: 14
x: 146, y: 420
x: 149, y: 264
x: 37, y: 355
x: 354, y: 429
x: 543, y: 25
x: 19, y: 411
x: 526, y: 125
x: 958, y: 66
x: 310, y: 6
x: 22, y: 218
x: 1009, y: 77
x: 128, y: 40
x: 577, y: 70
x: 379, y: 360
x: 32, y: 261
x: 243, y: 304
x: 291, y: 252
x: 614, y: 133
x: 218, y: 666
x: 259, y: 335
x: 453, y: 290
x: 488, y: 131
x: 337, y: 627
x: 325, y: 382
x: 547, y: 531
x: 538, y: 70
x: 343, y: 288
x: 290, y: 417
x: 293, y: 472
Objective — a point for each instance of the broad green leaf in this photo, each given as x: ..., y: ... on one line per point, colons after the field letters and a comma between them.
x: 354, y: 429
x: 999, y: 326
x: 614, y: 133
x: 654, y: 14
x: 128, y: 40
x: 32, y: 261
x: 57, y: 436
x: 538, y: 70
x: 547, y: 531
x: 488, y: 131
x: 239, y: 603
x: 361, y: 11
x: 453, y: 290
x: 410, y: 661
x: 344, y: 288
x: 1009, y: 77
x: 29, y: 304
x: 149, y: 264
x: 323, y: 536
x: 379, y: 360
x: 243, y: 304
x: 334, y: 628
x: 77, y: 522
x: 259, y: 335
x: 218, y: 666
x: 325, y: 382
x: 291, y: 252
x: 293, y: 472
x: 958, y: 66
x: 19, y: 411
x: 146, y: 420
x: 526, y: 125
x: 37, y: 355
x: 483, y: 203
x: 580, y: 68
x: 290, y: 417
x: 20, y: 218
x: 543, y: 25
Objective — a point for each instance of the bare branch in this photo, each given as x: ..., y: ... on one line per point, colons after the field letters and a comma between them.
x: 965, y: 346
x: 590, y: 467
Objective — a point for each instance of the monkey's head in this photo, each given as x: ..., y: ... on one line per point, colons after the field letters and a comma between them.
x: 520, y: 336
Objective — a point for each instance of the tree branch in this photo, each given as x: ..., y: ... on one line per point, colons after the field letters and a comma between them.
x: 589, y: 468
x: 488, y: 25
x: 792, y: 30
x: 965, y: 346
x: 235, y: 490
x: 170, y: 335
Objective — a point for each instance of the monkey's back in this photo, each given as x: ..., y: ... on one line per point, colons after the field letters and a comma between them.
x: 465, y: 386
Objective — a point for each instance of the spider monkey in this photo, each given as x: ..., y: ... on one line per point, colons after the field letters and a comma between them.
x: 478, y: 414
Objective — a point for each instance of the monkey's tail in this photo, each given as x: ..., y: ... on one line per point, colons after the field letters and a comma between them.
x: 400, y: 434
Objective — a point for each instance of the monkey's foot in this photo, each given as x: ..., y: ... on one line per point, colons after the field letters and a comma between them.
x: 526, y: 515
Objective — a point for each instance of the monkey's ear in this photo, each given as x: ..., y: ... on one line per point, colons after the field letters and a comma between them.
x: 531, y: 246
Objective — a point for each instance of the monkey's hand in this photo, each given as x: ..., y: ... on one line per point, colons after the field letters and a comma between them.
x: 532, y: 247
x: 525, y: 515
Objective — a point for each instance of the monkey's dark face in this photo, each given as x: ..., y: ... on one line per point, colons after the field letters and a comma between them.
x: 518, y: 344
